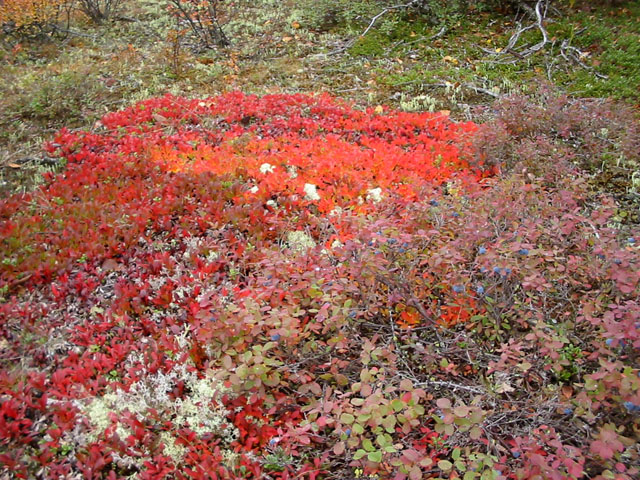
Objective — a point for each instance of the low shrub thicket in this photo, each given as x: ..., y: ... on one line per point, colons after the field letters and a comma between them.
x: 286, y: 287
x: 100, y: 10
x: 31, y: 17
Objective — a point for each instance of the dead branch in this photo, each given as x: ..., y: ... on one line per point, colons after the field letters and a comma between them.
x: 373, y: 21
x: 568, y: 52
x: 573, y: 54
x: 540, y: 11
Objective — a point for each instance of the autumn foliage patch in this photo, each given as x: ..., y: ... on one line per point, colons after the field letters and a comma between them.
x: 287, y: 287
x: 31, y: 16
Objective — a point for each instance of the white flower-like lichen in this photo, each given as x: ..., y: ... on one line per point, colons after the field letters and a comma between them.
x: 374, y: 195
x: 267, y: 168
x: 292, y: 170
x: 198, y: 409
x: 300, y: 241
x: 311, y: 192
x: 336, y: 211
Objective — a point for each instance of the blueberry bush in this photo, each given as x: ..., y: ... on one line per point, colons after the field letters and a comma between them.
x: 289, y: 287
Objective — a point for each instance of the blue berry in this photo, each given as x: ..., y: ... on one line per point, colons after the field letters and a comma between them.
x: 516, y: 454
x: 392, y: 241
x: 401, y: 250
x: 568, y: 411
x: 482, y: 250
x: 434, y: 203
x: 523, y: 251
x: 630, y: 406
x: 458, y: 288
x: 497, y: 270
x: 480, y: 290
x: 601, y: 256
x: 347, y: 432
x: 456, y: 214
x: 483, y: 270
x: 617, y: 261
x: 507, y: 271
x: 273, y: 441
x: 609, y: 342
x: 275, y: 337
x: 631, y: 240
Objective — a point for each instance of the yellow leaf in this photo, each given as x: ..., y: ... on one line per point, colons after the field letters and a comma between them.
x: 379, y: 109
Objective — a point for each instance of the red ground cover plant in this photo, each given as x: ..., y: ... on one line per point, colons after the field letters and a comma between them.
x: 287, y: 287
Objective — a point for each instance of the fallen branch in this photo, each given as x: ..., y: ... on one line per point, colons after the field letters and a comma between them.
x: 386, y: 10
x: 568, y: 52
x: 540, y: 14
x: 571, y: 53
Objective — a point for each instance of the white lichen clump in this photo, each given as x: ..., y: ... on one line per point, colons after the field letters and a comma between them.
x: 374, y: 195
x: 300, y: 241
x: 292, y: 170
x: 267, y: 168
x: 198, y: 409
x: 311, y: 192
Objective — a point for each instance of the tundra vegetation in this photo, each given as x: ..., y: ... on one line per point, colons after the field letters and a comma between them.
x: 279, y: 239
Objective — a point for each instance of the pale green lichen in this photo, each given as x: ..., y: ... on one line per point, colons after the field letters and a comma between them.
x: 311, y: 192
x: 374, y: 195
x: 197, y: 410
x: 171, y: 448
x: 299, y: 241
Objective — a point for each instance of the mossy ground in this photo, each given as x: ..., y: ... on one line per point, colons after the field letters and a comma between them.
x: 405, y: 61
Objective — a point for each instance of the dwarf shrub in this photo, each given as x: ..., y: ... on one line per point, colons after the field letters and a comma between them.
x: 32, y: 17
x: 184, y: 304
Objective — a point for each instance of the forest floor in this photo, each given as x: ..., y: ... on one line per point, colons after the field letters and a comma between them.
x: 454, y: 63
x: 336, y: 248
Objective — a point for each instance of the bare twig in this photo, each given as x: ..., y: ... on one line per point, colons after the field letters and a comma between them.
x: 573, y: 54
x: 350, y: 43
x: 569, y: 53
x: 540, y: 15
x: 451, y: 386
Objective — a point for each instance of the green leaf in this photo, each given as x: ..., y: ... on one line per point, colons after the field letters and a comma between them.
x: 368, y: 445
x: 358, y: 429
x: 460, y: 466
x: 382, y: 440
x: 359, y: 454
x: 445, y: 465
x: 470, y: 475
x: 456, y: 453
x: 389, y: 423
x: 375, y: 457
x: 397, y: 405
x: 347, y: 418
